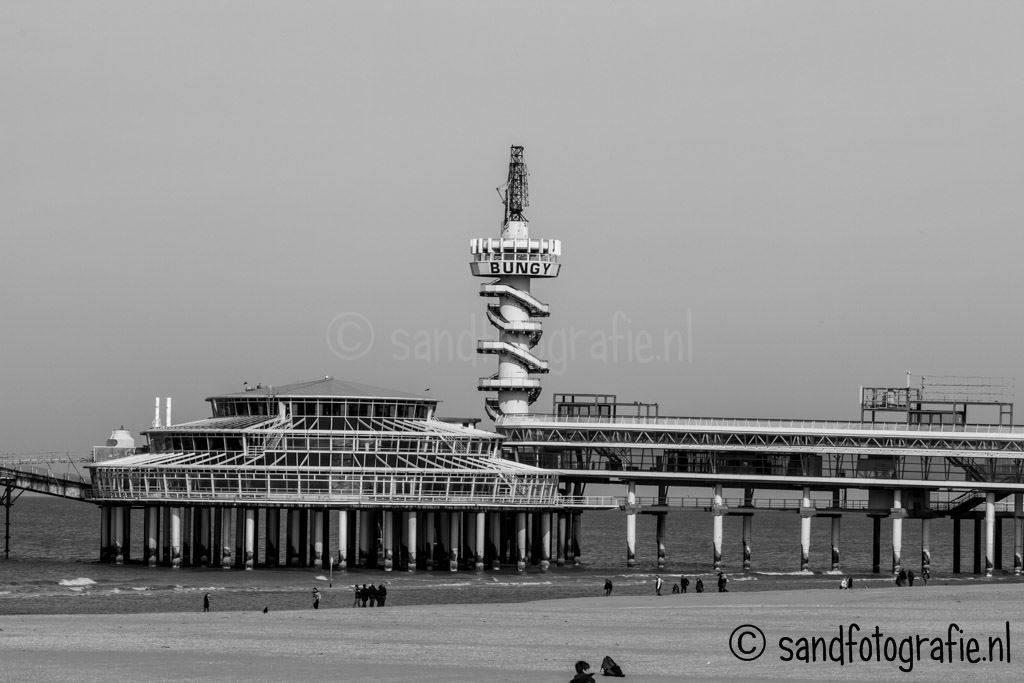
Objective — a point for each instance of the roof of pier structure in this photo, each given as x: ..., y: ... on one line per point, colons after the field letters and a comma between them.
x: 325, y: 387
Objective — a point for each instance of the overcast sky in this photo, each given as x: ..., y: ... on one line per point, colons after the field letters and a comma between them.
x: 808, y: 197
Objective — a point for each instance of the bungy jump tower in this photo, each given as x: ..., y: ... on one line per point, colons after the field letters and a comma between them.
x: 511, y: 261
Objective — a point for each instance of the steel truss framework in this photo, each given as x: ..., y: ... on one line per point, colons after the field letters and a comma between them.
x: 785, y: 448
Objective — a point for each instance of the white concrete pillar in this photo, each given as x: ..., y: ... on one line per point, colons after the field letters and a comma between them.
x: 250, y: 539
x: 226, y: 523
x: 481, y: 539
x: 748, y: 523
x: 836, y: 520
x: 453, y: 545
x: 897, y: 531
x: 718, y: 508
x: 176, y: 514
x: 117, y: 534
x: 521, y: 541
x: 631, y: 524
x: 411, y: 539
x: 152, y: 523
x: 545, y: 541
x: 529, y: 537
x: 990, y: 532
x: 806, y: 512
x: 342, y: 539
x: 388, y: 523
x: 105, y: 521
x: 1018, y: 533
x: 496, y: 540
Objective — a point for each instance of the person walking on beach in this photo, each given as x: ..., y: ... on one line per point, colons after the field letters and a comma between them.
x: 901, y: 578
x: 658, y: 583
x: 372, y: 592
x: 699, y: 586
x: 910, y: 578
x: 206, y: 602
x: 355, y: 592
x: 608, y: 587
x: 722, y: 581
x: 316, y: 598
x: 382, y: 595
x: 684, y: 583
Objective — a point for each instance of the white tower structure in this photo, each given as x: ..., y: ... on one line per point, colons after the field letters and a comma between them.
x: 513, y: 260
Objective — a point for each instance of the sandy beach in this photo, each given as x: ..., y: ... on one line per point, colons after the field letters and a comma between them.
x: 653, y: 638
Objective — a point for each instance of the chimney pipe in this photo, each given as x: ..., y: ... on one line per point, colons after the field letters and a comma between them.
x: 167, y: 420
x: 156, y: 413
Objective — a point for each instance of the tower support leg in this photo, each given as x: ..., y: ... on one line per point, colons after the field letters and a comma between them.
x: 117, y: 534
x: 226, y: 546
x: 388, y: 539
x: 560, y: 557
x: 105, y: 517
x: 1018, y: 534
x: 272, y: 554
x: 876, y: 544
x: 292, y: 537
x: 577, y: 531
x: 204, y: 537
x: 897, y: 531
x: 249, y: 550
x: 990, y: 531
x: 411, y: 538
x: 496, y: 540
x: 806, y: 513
x: 342, y: 539
x: 926, y: 546
x: 151, y: 521
x: 317, y: 539
x: 453, y: 545
x: 956, y: 545
x: 431, y: 540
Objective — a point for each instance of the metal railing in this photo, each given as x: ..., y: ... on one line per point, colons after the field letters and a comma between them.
x: 757, y: 423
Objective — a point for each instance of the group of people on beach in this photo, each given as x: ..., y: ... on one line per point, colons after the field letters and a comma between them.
x: 684, y: 584
x: 906, y: 577
x: 608, y: 668
x: 375, y: 595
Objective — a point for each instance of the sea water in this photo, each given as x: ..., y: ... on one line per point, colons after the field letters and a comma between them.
x: 54, y: 568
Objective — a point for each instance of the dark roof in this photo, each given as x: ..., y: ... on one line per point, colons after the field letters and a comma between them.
x: 326, y: 387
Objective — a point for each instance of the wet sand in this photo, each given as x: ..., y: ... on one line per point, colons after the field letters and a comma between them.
x: 653, y: 638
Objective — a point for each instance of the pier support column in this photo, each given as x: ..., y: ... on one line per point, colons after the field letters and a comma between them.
x: 272, y: 553
x: 990, y: 532
x: 226, y: 558
x: 117, y: 535
x: 876, y: 544
x: 659, y: 525
x: 388, y: 524
x: 806, y: 513
x: 175, y: 536
x: 151, y: 522
x: 496, y: 540
x: 291, y: 547
x: 363, y: 553
x: 317, y: 540
x: 1018, y: 534
x: 204, y: 537
x: 481, y: 529
x: 105, y: 517
x: 469, y: 537
x: 631, y: 524
x: 545, y: 541
x: 342, y: 539
x: 898, y: 513
x: 718, y: 510
x: 453, y: 545
x: 748, y: 523
x: 926, y: 546
x: 165, y: 536
x: 560, y: 557
x: 431, y: 540
x: 249, y: 550
x: 521, y: 541
x: 956, y: 545
x: 998, y: 557
x: 836, y: 521
x: 574, y: 543
x: 412, y: 538
x: 977, y: 545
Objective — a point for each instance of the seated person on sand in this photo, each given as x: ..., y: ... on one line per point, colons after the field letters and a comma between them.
x: 583, y: 674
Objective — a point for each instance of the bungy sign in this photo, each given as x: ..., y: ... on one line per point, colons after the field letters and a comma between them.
x: 530, y: 268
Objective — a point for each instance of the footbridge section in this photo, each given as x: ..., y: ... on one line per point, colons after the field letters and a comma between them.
x: 898, y: 470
